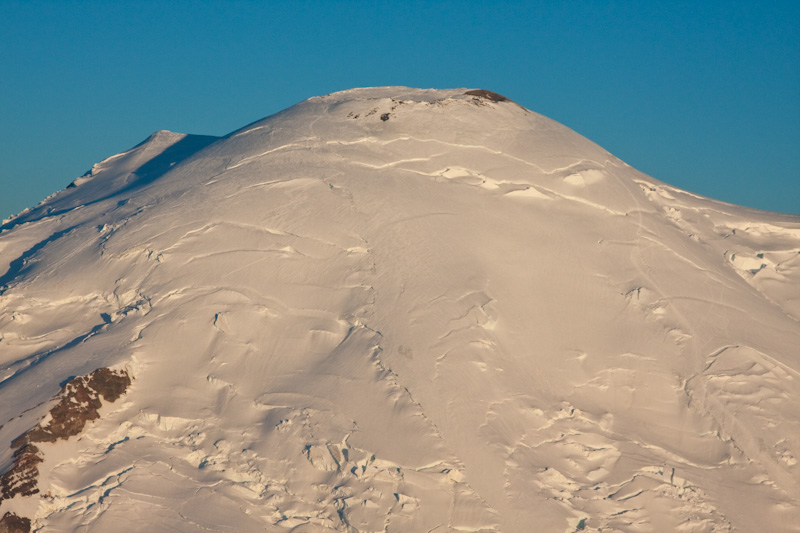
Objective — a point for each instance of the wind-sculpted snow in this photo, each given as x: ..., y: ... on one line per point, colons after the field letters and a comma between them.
x: 403, y: 310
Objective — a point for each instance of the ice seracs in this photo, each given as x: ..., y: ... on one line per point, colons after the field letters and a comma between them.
x: 395, y: 309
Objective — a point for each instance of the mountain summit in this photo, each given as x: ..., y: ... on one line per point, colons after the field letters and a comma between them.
x: 398, y: 310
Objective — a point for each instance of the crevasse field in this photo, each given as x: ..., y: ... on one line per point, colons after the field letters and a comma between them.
x: 401, y: 310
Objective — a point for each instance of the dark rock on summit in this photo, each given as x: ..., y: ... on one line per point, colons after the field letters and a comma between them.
x: 489, y: 95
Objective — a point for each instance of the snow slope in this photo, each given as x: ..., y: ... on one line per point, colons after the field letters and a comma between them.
x: 403, y: 310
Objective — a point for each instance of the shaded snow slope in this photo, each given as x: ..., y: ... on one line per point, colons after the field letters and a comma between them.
x: 402, y: 310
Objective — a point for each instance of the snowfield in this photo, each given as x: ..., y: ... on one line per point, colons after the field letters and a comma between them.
x: 400, y: 310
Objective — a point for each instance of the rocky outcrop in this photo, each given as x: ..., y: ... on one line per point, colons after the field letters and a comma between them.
x: 489, y: 95
x: 11, y: 523
x: 79, y: 403
x: 21, y: 478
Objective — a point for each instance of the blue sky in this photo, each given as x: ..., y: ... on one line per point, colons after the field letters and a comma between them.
x: 704, y: 97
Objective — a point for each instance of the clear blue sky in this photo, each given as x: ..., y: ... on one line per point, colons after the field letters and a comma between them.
x: 705, y: 97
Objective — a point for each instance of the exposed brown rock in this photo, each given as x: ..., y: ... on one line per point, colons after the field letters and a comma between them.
x: 21, y: 479
x: 79, y: 403
x: 109, y: 384
x: 11, y: 523
x: 489, y: 95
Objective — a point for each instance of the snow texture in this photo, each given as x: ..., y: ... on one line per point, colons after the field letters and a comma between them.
x: 403, y: 310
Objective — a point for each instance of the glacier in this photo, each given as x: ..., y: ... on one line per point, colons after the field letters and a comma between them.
x: 402, y: 310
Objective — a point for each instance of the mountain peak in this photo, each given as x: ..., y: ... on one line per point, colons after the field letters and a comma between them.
x: 393, y: 92
x: 412, y: 95
x: 164, y: 136
x: 398, y: 309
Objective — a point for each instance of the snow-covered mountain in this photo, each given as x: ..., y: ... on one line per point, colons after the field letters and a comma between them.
x: 396, y: 310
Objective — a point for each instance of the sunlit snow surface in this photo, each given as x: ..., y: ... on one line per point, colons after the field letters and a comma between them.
x: 404, y: 310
